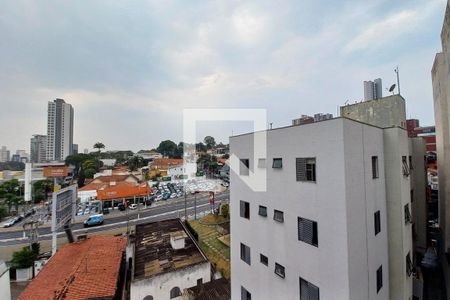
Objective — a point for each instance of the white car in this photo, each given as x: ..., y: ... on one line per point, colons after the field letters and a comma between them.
x: 133, y: 206
x: 9, y: 223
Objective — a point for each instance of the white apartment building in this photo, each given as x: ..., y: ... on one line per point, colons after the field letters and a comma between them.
x: 441, y: 86
x: 59, y: 130
x: 320, y: 229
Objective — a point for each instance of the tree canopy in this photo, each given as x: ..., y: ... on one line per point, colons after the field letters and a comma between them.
x: 167, y: 148
x: 99, y: 146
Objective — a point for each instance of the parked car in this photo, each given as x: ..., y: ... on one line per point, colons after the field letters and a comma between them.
x: 9, y: 223
x: 133, y: 206
x: 94, y: 220
x: 121, y: 207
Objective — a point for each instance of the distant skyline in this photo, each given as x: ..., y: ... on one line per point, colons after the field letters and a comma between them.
x: 129, y: 69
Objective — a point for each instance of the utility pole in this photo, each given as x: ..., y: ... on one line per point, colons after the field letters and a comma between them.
x: 195, y: 205
x: 185, y: 205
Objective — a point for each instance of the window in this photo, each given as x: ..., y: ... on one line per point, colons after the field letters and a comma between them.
x: 199, y: 281
x: 308, y: 291
x: 407, y: 214
x: 175, y: 292
x: 377, y: 222
x: 261, y: 163
x: 279, y: 270
x: 244, y: 167
x: 278, y: 216
x: 245, y: 210
x: 245, y: 295
x: 148, y: 298
x: 245, y: 253
x: 277, y: 163
x: 379, y: 278
x: 412, y: 196
x: 263, y: 259
x: 374, y: 167
x: 262, y: 211
x: 410, y: 163
x: 305, y: 169
x: 307, y: 231
x: 409, y: 266
x: 405, y: 166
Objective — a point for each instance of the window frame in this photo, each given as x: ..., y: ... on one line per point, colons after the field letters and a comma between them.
x: 314, y: 229
x: 375, y: 169
x: 280, y: 270
x: 379, y: 278
x: 248, y: 295
x: 407, y: 212
x: 244, y: 212
x: 309, y: 286
x: 245, y: 254
x: 260, y: 212
x: 405, y: 167
x: 277, y: 159
x: 281, y: 220
x: 262, y: 163
x: 306, y: 169
x: 377, y: 222
x: 263, y: 259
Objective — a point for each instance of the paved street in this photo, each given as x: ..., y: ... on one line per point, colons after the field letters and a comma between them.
x: 170, y: 209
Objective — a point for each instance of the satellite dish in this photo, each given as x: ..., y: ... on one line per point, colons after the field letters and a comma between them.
x: 391, y: 89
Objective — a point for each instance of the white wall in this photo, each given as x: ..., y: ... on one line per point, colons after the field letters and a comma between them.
x: 337, y: 266
x: 5, y: 290
x: 159, y: 286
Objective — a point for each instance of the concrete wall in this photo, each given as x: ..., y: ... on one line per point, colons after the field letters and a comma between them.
x: 159, y: 286
x: 397, y: 196
x: 384, y: 112
x: 342, y: 264
x: 5, y: 290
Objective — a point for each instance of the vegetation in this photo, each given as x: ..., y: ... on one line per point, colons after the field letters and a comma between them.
x: 11, y: 192
x: 25, y: 258
x: 136, y: 162
x: 167, y: 148
x: 99, y: 146
x: 40, y: 190
x: 225, y: 211
x: 207, y: 162
x: 210, y: 142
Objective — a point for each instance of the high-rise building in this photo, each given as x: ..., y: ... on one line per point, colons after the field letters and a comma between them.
x: 38, y: 148
x: 373, y: 89
x: 75, y: 149
x: 336, y: 219
x: 59, y: 130
x: 4, y: 154
x: 441, y: 93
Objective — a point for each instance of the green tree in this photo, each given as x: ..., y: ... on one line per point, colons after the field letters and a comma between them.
x: 225, y: 210
x: 3, y: 212
x: 24, y: 258
x: 40, y: 190
x: 200, y: 147
x: 167, y: 148
x: 135, y: 162
x: 99, y: 146
x: 210, y: 142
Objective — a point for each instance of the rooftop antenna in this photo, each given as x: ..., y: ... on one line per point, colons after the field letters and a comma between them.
x: 398, y: 79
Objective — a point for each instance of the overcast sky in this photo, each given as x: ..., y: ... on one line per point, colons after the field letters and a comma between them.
x: 129, y: 69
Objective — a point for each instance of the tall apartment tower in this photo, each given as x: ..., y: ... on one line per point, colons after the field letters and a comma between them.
x: 38, y: 148
x: 4, y: 154
x: 373, y: 89
x: 59, y: 130
x: 441, y: 89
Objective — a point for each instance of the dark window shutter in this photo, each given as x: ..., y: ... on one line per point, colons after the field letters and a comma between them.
x: 300, y: 165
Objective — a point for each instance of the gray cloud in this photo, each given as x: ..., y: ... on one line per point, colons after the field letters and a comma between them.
x: 130, y: 69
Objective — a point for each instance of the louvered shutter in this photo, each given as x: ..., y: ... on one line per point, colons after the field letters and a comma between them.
x: 305, y: 230
x: 300, y: 165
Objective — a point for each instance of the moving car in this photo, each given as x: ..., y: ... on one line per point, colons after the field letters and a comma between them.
x: 94, y: 220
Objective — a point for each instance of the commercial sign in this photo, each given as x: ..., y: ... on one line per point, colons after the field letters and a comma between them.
x: 55, y: 171
x: 63, y: 210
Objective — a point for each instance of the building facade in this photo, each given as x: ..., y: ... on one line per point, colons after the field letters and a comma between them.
x: 59, y: 130
x: 373, y: 89
x: 441, y: 86
x: 320, y: 229
x: 38, y: 148
x: 4, y: 154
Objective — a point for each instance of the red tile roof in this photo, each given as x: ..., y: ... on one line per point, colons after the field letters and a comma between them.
x: 123, y: 190
x: 82, y: 270
x: 165, y: 163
